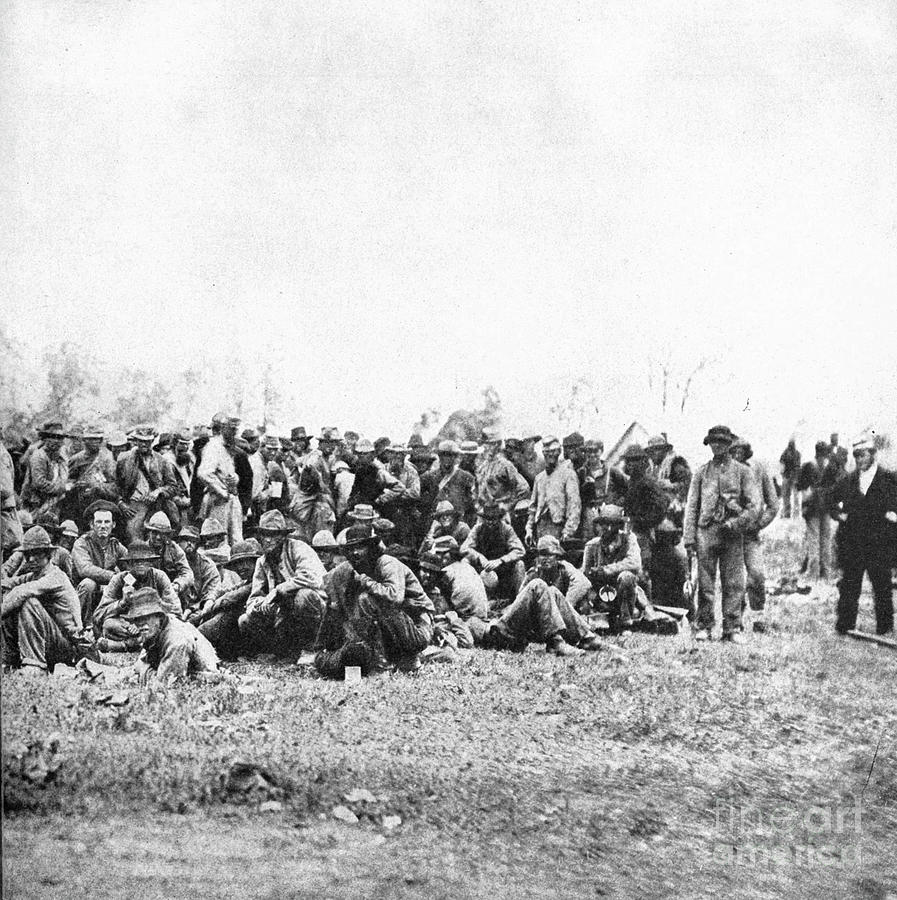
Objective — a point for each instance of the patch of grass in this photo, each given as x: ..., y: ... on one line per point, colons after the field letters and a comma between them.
x: 653, y: 775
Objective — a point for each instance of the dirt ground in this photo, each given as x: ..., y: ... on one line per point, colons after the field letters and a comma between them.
x: 768, y: 770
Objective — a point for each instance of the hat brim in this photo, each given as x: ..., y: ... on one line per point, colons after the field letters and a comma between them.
x: 718, y: 438
x: 147, y: 559
x: 242, y: 557
x: 41, y: 549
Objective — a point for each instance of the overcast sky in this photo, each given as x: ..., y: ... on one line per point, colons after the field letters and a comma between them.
x: 404, y: 202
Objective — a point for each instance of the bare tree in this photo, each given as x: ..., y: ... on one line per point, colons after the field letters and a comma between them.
x: 672, y: 382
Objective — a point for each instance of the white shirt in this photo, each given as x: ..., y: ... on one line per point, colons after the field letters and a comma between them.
x: 866, y: 477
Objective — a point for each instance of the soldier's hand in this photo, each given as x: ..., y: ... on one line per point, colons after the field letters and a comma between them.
x: 491, y: 565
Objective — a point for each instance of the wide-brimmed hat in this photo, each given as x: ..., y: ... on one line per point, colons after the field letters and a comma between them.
x: 298, y: 433
x: 549, y: 443
x: 398, y: 448
x: 188, y: 533
x: 635, y: 452
x: 116, y: 439
x: 93, y: 432
x: 657, y: 442
x: 863, y: 441
x: 448, y: 448
x: 609, y: 513
x: 362, y: 512
x: 358, y: 535
x: 35, y: 540
x: 271, y: 442
x: 183, y: 436
x: 383, y: 526
x: 490, y: 510
x: 211, y: 528
x: 249, y: 434
x: 223, y: 417
x: 241, y: 551
x: 720, y: 433
x: 445, y: 508
x: 431, y: 561
x: 100, y: 506
x: 139, y: 551
x: 273, y: 522
x: 593, y: 446
x: 364, y: 446
x: 742, y: 444
x: 548, y: 543
x: 144, y: 602
x: 351, y: 436
x: 69, y: 528
x: 470, y: 448
x: 52, y: 430
x: 324, y: 540
x: 330, y: 434
x: 574, y: 439
x: 491, y: 434
x: 158, y: 521
x: 143, y: 433
x: 533, y: 436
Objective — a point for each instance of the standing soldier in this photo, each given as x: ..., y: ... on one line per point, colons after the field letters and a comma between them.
x: 145, y: 479
x: 497, y: 479
x: 723, y: 501
x: 790, y: 463
x: 555, y: 506
x: 91, y: 473
x: 47, y: 473
x: 753, y: 547
x: 218, y: 472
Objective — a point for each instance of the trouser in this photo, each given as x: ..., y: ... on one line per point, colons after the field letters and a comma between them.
x: 755, y: 572
x: 377, y: 633
x: 876, y: 562
x: 288, y: 625
x: 10, y: 531
x: 818, y: 546
x: 789, y: 494
x: 725, y: 551
x: 116, y: 628
x: 669, y: 568
x: 31, y: 637
x: 227, y: 513
x: 89, y: 593
x: 629, y: 599
x: 452, y: 629
x: 539, y: 613
x: 223, y: 632
x: 505, y: 581
x: 135, y: 523
x: 646, y: 548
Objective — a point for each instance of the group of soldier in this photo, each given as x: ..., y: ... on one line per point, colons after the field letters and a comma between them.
x: 196, y: 546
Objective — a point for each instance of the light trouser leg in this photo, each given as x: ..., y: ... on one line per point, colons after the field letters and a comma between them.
x: 533, y: 616
x: 825, y: 546
x: 731, y: 573
x: 812, y: 547
x: 89, y: 596
x: 135, y: 523
x: 756, y: 576
x: 708, y: 556
x: 41, y: 642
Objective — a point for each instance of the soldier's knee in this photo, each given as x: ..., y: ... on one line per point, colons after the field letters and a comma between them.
x: 626, y: 580
x: 87, y: 587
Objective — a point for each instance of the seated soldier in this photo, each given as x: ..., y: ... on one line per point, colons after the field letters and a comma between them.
x: 15, y: 563
x: 446, y: 521
x: 96, y: 555
x: 117, y: 634
x: 495, y: 551
x: 556, y: 572
x: 542, y: 611
x: 41, y: 614
x: 206, y: 580
x: 287, y: 599
x: 172, y: 560
x: 68, y: 534
x: 459, y: 586
x: 325, y: 545
x: 218, y: 619
x: 170, y: 648
x: 377, y: 614
x: 213, y: 541
x: 612, y: 560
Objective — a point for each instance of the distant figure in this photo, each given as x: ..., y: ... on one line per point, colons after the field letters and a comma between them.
x: 816, y: 482
x: 839, y: 454
x: 790, y: 461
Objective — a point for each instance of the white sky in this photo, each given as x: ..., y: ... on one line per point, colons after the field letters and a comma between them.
x: 405, y: 202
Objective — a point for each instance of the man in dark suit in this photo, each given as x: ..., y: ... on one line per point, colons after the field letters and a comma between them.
x: 865, y: 503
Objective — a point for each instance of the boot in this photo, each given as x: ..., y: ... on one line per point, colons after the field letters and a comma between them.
x: 559, y: 647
